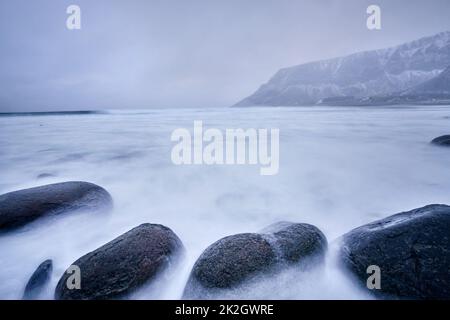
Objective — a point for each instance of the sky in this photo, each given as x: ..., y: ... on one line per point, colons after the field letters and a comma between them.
x: 133, y: 54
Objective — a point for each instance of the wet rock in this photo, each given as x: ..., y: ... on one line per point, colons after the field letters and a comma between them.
x: 45, y: 175
x: 124, y: 264
x: 38, y: 280
x: 230, y: 261
x: 442, y: 141
x: 296, y: 241
x: 21, y: 207
x: 412, y: 250
x: 236, y: 259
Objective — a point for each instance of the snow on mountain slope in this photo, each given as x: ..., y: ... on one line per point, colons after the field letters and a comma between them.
x: 438, y: 85
x: 361, y: 74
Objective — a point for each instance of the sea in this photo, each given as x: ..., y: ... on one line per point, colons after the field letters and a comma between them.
x: 339, y: 168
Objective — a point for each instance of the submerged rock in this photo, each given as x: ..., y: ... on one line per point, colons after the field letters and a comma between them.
x: 18, y: 208
x: 45, y: 175
x: 412, y: 250
x: 442, y: 141
x: 124, y: 264
x: 38, y: 280
x: 236, y: 259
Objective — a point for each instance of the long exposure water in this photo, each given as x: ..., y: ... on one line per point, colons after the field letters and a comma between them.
x: 339, y: 168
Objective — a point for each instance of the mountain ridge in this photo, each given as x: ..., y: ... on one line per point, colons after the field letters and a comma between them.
x: 361, y: 74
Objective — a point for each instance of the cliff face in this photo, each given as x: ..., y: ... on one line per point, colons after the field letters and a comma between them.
x: 365, y: 74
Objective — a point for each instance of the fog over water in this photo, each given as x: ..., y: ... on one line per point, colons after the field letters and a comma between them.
x: 339, y: 168
x: 174, y: 53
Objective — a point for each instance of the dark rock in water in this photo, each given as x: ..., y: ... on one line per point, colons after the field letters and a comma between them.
x: 45, y: 175
x: 412, y: 250
x: 124, y: 264
x: 21, y: 207
x: 38, y: 280
x: 232, y: 260
x: 235, y: 259
x: 442, y: 141
x: 297, y: 241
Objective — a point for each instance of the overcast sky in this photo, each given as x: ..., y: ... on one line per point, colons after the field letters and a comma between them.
x: 182, y: 53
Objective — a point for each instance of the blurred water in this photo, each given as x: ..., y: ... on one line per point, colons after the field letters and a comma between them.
x: 339, y: 168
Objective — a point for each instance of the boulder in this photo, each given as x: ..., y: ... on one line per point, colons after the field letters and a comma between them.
x: 123, y: 265
x: 442, y: 141
x: 230, y: 261
x: 235, y: 259
x: 21, y: 207
x: 412, y: 250
x: 295, y: 242
x: 38, y: 280
x: 45, y: 175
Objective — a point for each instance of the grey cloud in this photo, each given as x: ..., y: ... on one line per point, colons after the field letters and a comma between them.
x: 182, y: 53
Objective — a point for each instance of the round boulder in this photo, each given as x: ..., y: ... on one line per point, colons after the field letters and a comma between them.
x: 411, y: 250
x: 230, y: 261
x: 235, y: 259
x: 122, y: 265
x: 298, y: 242
x: 442, y: 141
x: 18, y: 208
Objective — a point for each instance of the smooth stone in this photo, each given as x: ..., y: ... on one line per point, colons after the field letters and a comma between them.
x: 123, y: 265
x: 20, y: 207
x: 236, y: 259
x: 442, y: 141
x: 412, y: 250
x: 38, y: 280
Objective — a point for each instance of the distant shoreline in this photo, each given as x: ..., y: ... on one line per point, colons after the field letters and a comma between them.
x: 49, y: 113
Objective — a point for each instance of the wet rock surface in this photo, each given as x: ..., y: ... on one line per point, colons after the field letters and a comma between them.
x: 296, y: 241
x: 236, y: 259
x: 412, y: 250
x: 38, y: 280
x: 21, y: 207
x: 442, y: 141
x: 126, y: 263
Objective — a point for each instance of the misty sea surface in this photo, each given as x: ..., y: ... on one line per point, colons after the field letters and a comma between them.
x: 339, y: 168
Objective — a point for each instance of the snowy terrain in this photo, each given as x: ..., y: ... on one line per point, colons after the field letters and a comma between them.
x: 363, y: 74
